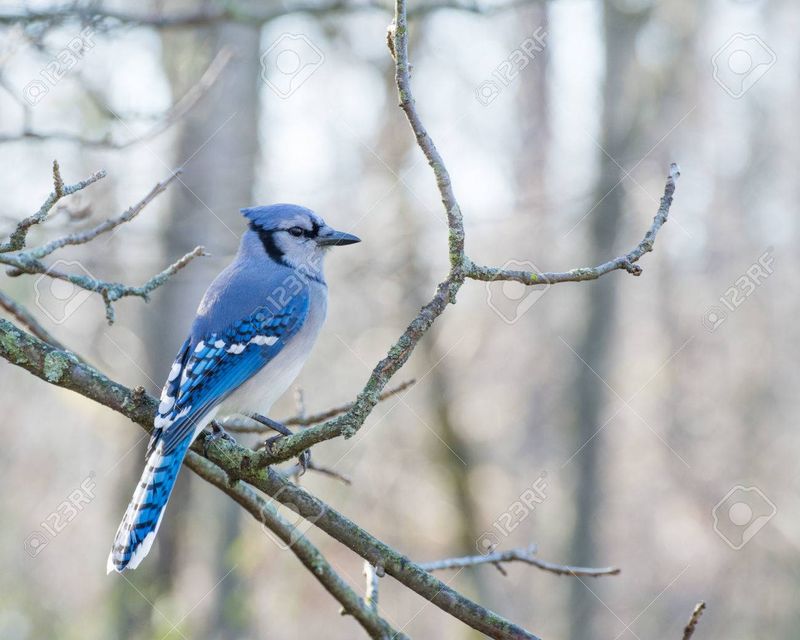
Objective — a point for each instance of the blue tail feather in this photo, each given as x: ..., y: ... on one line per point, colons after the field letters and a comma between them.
x: 142, y: 518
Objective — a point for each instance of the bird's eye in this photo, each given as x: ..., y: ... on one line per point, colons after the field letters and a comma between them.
x: 296, y: 232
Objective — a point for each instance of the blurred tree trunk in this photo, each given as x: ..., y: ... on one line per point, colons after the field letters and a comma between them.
x: 596, y: 344
x: 534, y: 117
x: 217, y: 147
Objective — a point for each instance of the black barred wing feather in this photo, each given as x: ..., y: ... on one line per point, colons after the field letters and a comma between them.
x: 210, y: 368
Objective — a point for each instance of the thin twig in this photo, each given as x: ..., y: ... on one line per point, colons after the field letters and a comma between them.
x: 297, y: 470
x: 313, y: 466
x: 366, y: 615
x: 27, y: 319
x: 371, y: 588
x: 523, y: 554
x: 455, y: 223
x: 233, y: 12
x: 626, y: 262
x: 238, y: 425
x: 21, y: 261
x: 688, y: 632
x: 18, y: 237
x: 175, y: 113
x: 82, y: 237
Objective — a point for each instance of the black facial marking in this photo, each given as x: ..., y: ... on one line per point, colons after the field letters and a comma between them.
x: 268, y: 240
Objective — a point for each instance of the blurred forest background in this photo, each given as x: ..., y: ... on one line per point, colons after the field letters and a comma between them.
x: 654, y: 413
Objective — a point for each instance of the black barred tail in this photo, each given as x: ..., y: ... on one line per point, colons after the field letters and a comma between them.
x: 140, y: 524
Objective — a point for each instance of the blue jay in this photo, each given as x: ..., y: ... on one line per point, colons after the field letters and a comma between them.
x: 254, y: 329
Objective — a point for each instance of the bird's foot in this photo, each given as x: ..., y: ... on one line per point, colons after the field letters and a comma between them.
x: 304, y: 459
x: 217, y: 433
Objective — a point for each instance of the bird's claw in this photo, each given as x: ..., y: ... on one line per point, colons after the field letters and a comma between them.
x: 217, y: 433
x: 303, y: 460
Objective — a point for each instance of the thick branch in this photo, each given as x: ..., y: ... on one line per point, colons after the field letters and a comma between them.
x: 364, y: 612
x: 524, y: 554
x: 67, y: 371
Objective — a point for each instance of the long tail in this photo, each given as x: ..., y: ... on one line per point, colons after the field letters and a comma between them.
x: 142, y: 518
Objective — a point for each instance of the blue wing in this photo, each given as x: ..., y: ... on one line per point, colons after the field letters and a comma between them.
x: 210, y: 367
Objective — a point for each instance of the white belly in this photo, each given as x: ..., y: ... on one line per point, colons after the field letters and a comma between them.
x: 260, y: 392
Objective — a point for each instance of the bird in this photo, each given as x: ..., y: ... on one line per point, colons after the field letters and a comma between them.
x: 254, y: 329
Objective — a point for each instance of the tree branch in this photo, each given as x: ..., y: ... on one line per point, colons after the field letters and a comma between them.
x: 19, y: 236
x: 371, y: 589
x: 82, y: 237
x: 523, y: 554
x: 21, y: 261
x: 229, y: 465
x: 27, y: 320
x: 688, y: 632
x: 398, y: 36
x: 67, y: 371
x: 626, y: 262
x: 164, y: 122
x: 107, y: 19
x: 237, y: 425
x: 349, y: 423
x: 366, y: 613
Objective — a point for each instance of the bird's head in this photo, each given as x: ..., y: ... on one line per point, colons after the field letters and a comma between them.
x: 295, y: 236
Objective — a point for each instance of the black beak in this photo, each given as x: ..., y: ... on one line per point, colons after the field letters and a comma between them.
x: 337, y: 239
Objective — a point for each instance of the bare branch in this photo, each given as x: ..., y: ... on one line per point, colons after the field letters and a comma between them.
x: 371, y: 590
x: 237, y: 425
x: 67, y: 371
x: 455, y: 223
x: 83, y: 237
x: 106, y: 19
x: 307, y: 420
x: 20, y: 261
x: 19, y: 236
x: 164, y: 121
x: 523, y: 554
x: 626, y: 262
x: 313, y: 466
x: 27, y: 320
x: 688, y: 632
x: 364, y: 612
